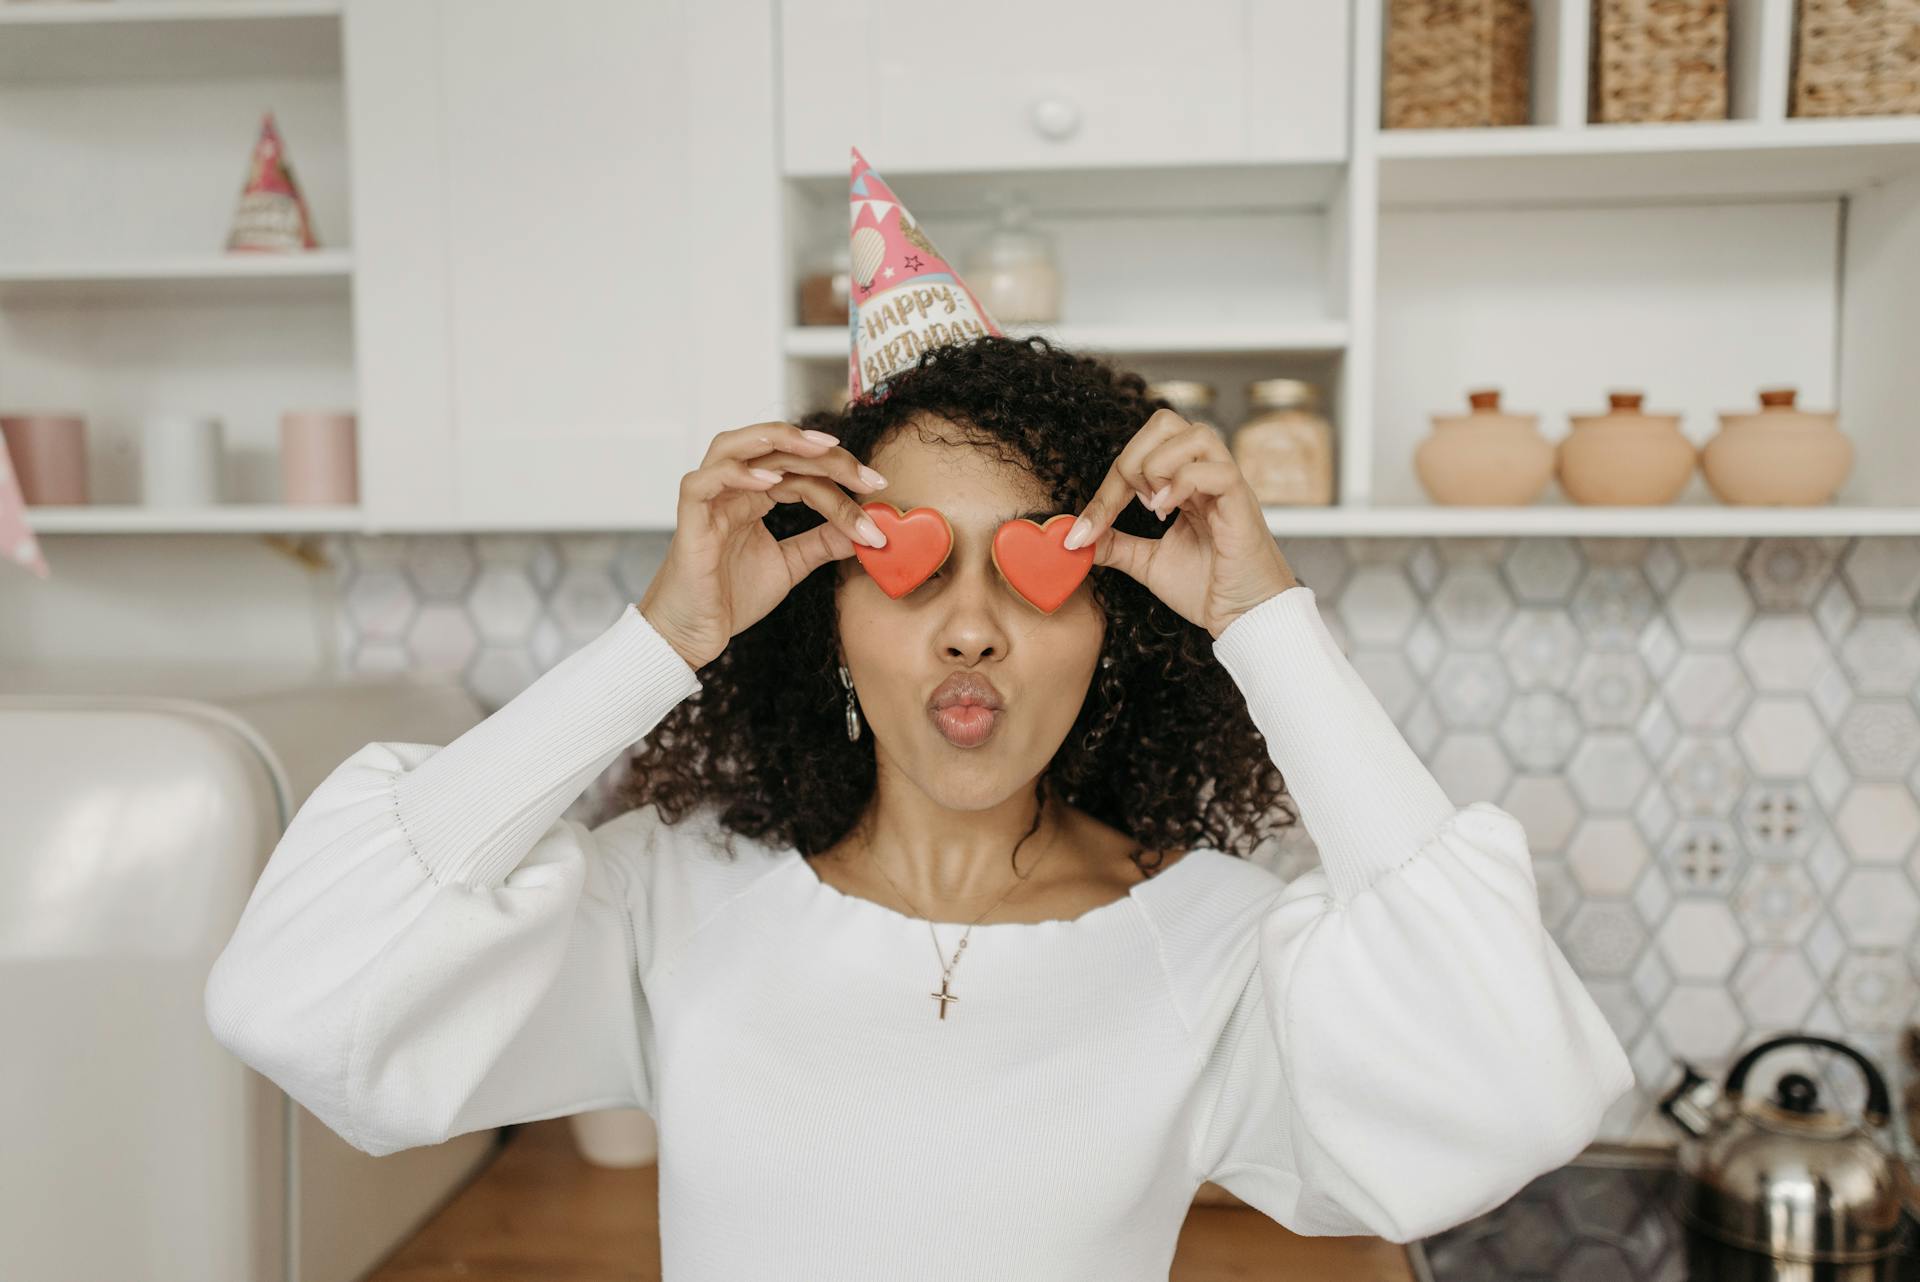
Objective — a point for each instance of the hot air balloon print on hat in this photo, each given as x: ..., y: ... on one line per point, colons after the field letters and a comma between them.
x: 904, y: 297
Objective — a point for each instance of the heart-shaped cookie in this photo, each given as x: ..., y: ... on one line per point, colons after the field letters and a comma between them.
x: 1034, y: 562
x: 918, y: 542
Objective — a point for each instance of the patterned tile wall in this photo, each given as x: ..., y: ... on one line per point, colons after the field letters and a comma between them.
x: 1714, y: 745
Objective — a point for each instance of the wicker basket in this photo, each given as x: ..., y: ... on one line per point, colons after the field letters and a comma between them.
x: 1454, y: 63
x: 1856, y: 58
x: 1658, y: 60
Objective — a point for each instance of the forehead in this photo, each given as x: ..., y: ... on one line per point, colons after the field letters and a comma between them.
x: 970, y: 483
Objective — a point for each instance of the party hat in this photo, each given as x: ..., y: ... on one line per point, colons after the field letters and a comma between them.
x: 904, y: 297
x: 272, y: 214
x: 17, y: 543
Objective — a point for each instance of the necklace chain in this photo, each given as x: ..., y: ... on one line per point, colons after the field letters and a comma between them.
x: 947, y: 967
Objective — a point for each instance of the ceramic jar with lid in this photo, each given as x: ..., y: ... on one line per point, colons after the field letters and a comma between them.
x: 1625, y: 456
x: 1778, y: 454
x: 1485, y: 457
x: 1285, y: 448
x: 1190, y: 398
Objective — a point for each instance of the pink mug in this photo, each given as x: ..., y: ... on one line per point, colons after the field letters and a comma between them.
x: 317, y: 457
x: 49, y: 453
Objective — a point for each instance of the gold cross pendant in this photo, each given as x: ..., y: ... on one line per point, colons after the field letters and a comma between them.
x: 943, y: 997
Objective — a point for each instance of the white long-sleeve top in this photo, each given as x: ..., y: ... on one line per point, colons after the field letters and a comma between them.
x: 1389, y: 1044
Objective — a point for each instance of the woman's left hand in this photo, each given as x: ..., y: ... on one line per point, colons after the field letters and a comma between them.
x: 1218, y: 560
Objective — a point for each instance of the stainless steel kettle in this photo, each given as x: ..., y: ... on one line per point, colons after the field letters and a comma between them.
x: 1785, y: 1178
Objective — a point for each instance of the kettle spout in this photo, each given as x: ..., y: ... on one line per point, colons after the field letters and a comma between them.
x: 1689, y: 1105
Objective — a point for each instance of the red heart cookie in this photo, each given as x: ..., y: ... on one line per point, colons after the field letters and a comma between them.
x: 1034, y: 562
x: 917, y: 544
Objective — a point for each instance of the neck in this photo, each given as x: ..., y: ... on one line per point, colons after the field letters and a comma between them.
x: 949, y: 859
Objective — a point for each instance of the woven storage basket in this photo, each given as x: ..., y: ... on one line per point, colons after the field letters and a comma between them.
x: 1658, y: 60
x: 1454, y: 63
x: 1856, y: 58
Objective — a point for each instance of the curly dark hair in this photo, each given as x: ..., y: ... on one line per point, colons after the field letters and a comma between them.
x: 1163, y: 750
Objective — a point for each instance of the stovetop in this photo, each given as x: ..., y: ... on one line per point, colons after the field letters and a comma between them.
x: 1605, y: 1217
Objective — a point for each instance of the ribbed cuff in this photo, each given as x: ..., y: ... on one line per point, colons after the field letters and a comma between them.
x: 1366, y: 798
x: 467, y: 807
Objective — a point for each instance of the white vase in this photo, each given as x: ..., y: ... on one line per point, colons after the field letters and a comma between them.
x: 616, y: 1137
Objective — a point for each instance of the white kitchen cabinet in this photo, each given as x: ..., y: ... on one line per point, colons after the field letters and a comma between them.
x: 1016, y: 84
x: 568, y: 278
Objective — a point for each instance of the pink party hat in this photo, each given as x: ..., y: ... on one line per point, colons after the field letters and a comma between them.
x: 905, y: 298
x: 17, y: 543
x: 272, y: 215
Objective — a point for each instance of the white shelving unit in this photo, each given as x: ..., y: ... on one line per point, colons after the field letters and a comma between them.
x: 1271, y: 229
x: 1696, y: 262
x: 1559, y: 260
x: 125, y: 129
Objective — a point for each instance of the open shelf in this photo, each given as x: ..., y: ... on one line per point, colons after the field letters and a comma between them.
x: 1595, y: 164
x: 1569, y: 520
x: 829, y: 342
x: 235, y: 518
x: 316, y: 273
x: 159, y: 39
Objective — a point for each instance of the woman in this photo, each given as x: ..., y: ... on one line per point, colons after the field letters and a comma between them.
x: 925, y: 941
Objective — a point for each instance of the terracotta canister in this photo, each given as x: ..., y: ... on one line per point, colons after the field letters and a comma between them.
x: 49, y: 454
x: 1485, y: 457
x: 1625, y: 456
x: 317, y: 457
x: 1777, y: 454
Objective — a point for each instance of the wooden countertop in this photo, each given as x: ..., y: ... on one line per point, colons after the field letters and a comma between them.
x: 539, y: 1210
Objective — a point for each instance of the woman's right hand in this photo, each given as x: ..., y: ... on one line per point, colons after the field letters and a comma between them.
x: 724, y: 570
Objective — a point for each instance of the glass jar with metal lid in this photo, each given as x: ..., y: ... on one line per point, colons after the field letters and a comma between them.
x: 1285, y: 447
x: 1190, y: 398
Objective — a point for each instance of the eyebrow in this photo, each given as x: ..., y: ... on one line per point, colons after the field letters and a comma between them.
x: 1039, y: 515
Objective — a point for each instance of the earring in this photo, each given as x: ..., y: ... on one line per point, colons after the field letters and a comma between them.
x: 1106, y: 661
x: 853, y: 714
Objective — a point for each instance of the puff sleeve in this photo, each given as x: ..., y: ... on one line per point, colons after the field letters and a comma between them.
x: 431, y: 949
x: 1404, y: 1046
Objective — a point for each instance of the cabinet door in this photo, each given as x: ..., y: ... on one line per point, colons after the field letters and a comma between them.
x: 586, y: 251
x: 1008, y: 84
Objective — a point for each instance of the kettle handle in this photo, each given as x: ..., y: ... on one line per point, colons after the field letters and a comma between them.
x: 1879, y: 1105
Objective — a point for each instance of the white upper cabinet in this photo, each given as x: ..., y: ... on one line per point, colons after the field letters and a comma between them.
x: 1016, y: 84
x: 569, y: 271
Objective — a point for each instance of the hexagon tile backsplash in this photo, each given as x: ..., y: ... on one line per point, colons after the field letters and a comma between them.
x: 1714, y: 744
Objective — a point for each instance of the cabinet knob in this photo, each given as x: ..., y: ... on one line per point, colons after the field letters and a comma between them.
x: 1056, y: 118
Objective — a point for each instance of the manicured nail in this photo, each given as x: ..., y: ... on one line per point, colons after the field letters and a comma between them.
x: 872, y: 477
x: 764, y: 474
x: 871, y: 532
x: 1082, y: 531
x: 1159, y: 497
x: 821, y: 438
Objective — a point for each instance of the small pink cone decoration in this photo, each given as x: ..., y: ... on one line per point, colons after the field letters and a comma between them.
x: 272, y: 216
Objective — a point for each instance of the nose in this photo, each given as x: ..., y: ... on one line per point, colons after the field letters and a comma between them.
x: 973, y: 625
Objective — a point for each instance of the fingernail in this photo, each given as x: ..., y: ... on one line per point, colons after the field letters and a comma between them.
x: 872, y: 477
x: 821, y: 438
x: 764, y: 474
x: 871, y: 532
x: 1082, y: 530
x: 1159, y: 496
